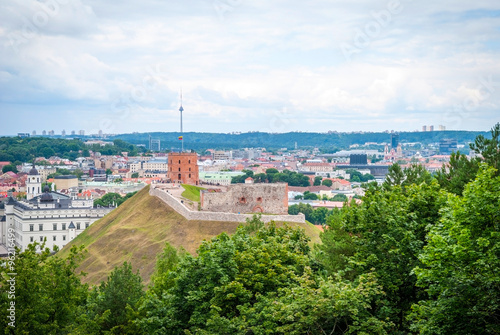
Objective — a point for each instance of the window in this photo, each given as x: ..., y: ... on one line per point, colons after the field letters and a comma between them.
x: 54, y: 226
x: 189, y: 161
x: 32, y: 227
x: 86, y: 224
x: 189, y: 169
x: 40, y: 227
x: 64, y: 237
x: 179, y: 161
x: 63, y: 226
x: 78, y: 225
x: 179, y: 169
x: 190, y: 175
x: 54, y: 238
x: 41, y: 238
x: 31, y: 238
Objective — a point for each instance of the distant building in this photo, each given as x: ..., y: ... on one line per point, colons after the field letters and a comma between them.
x: 447, y: 146
x: 65, y: 182
x: 440, y: 127
x: 358, y: 159
x: 44, y: 133
x: 23, y: 135
x: 394, y: 140
x: 431, y: 128
x: 81, y: 132
x: 73, y: 133
x: 33, y: 133
x: 222, y: 155
x: 424, y: 128
x: 51, y: 133
x: 63, y: 133
x: 183, y: 167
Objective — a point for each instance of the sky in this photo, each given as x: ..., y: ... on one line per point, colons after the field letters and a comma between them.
x: 273, y: 66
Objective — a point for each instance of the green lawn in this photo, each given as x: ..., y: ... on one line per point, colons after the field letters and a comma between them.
x: 192, y: 192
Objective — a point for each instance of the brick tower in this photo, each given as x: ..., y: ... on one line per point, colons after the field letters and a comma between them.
x: 183, y: 168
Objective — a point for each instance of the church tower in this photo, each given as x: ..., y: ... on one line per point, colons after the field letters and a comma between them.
x: 33, y: 183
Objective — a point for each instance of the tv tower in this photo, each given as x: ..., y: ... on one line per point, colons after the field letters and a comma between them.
x: 182, y: 137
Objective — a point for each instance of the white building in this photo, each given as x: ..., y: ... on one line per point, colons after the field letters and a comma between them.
x: 50, y: 216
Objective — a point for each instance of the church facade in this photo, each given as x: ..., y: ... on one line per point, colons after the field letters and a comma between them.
x: 46, y: 216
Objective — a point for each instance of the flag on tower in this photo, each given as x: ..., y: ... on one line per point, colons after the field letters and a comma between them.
x: 180, y: 138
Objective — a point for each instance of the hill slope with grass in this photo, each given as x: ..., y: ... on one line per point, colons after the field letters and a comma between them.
x: 137, y: 231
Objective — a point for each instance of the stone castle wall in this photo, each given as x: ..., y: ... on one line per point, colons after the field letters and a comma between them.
x: 216, y: 216
x: 248, y: 198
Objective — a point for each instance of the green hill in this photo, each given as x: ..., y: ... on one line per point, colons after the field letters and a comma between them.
x: 137, y: 231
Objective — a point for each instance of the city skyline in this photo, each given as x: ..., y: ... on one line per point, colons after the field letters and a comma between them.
x: 248, y: 66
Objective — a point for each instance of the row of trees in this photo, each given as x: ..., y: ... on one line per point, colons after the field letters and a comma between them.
x: 274, y: 176
x: 112, y: 198
x: 18, y: 150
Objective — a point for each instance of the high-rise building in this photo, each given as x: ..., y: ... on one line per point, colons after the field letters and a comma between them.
x: 394, y: 140
x: 100, y: 133
x: 51, y: 133
x: 431, y: 128
x: 33, y: 133
x: 424, y: 128
x: 442, y: 127
x: 81, y: 132
x: 44, y: 133
x: 63, y: 132
x: 73, y: 133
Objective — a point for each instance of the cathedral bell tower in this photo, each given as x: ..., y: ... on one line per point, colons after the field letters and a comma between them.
x: 33, y: 184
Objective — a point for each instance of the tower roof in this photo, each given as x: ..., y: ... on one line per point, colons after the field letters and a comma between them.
x: 33, y: 171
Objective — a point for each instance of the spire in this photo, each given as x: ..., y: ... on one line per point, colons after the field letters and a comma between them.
x: 181, y: 137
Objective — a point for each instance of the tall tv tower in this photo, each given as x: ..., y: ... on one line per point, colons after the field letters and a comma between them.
x: 182, y: 137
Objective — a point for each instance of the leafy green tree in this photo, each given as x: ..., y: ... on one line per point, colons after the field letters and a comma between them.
x: 395, y: 176
x: 457, y: 173
x: 108, y: 172
x: 339, y: 197
x: 9, y: 167
x: 327, y: 182
x: 310, y: 196
x: 385, y: 235
x: 317, y: 180
x: 112, y: 299
x: 136, y: 175
x: 47, y: 291
x: 460, y: 264
x: 489, y: 148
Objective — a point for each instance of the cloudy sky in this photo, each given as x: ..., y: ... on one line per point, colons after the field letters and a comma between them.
x: 244, y: 65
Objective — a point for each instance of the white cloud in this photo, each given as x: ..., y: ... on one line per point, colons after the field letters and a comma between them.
x: 260, y: 57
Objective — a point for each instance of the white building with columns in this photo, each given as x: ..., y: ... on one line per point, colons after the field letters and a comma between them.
x: 47, y: 216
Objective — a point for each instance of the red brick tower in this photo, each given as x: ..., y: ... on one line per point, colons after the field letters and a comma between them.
x: 183, y: 168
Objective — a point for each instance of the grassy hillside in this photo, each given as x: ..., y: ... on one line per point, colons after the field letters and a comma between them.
x: 137, y: 231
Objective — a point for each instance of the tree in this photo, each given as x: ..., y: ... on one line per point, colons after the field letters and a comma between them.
x: 317, y: 180
x: 459, y: 269
x: 108, y: 172
x: 460, y: 170
x: 122, y: 289
x: 310, y: 196
x: 9, y: 167
x: 47, y: 291
x: 385, y: 235
x: 489, y: 149
x: 136, y: 175
x: 395, y: 176
x: 327, y: 182
x: 339, y: 197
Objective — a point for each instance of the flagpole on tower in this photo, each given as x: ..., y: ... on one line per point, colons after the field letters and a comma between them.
x: 182, y: 137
